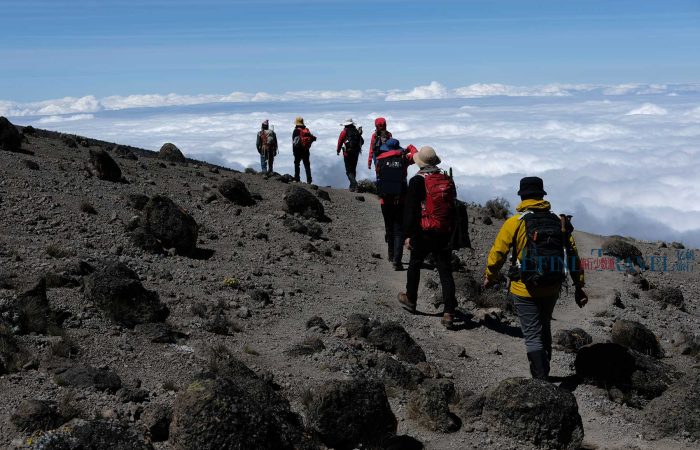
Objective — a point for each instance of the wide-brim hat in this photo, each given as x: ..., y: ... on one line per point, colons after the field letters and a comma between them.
x: 532, y: 187
x: 348, y: 122
x: 299, y: 121
x: 426, y: 156
x: 390, y: 144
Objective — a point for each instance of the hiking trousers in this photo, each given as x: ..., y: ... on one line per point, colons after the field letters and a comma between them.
x: 350, y: 159
x: 392, y: 212
x: 439, y: 245
x: 535, y: 316
x: 302, y: 155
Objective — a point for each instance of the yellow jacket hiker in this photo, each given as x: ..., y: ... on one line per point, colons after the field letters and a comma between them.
x: 535, y: 304
x: 501, y: 252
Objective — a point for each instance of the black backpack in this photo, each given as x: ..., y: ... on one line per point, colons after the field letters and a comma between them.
x: 353, y: 140
x: 542, y: 262
x: 379, y: 140
x: 391, y: 176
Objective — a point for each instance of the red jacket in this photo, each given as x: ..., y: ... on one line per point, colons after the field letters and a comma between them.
x: 407, y: 160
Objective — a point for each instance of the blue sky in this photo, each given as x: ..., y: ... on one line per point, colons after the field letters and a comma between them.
x: 52, y: 49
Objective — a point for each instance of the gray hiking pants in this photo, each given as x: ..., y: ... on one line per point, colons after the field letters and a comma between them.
x: 535, y: 316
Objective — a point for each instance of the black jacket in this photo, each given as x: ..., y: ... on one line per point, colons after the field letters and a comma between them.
x: 415, y: 196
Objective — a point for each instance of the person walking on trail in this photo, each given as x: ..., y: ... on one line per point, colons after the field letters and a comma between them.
x: 391, y: 169
x: 429, y: 217
x: 538, y: 242
x: 379, y: 138
x: 301, y: 146
x: 267, y: 147
x: 350, y: 142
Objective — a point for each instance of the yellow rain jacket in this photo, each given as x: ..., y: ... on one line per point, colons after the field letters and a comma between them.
x: 501, y: 252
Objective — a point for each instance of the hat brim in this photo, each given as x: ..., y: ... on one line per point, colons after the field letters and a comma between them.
x: 345, y: 124
x: 528, y: 192
x: 420, y: 162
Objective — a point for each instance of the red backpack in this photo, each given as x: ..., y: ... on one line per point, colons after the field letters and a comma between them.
x: 306, y: 138
x: 439, y: 207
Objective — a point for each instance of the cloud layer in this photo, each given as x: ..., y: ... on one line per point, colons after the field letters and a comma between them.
x: 622, y: 160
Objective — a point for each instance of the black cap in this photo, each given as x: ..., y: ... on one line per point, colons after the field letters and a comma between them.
x: 531, y: 187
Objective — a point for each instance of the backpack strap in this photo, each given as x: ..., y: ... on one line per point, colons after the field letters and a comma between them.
x: 514, y: 257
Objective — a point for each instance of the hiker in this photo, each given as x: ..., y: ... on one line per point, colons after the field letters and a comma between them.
x: 301, y: 145
x: 538, y: 242
x: 350, y: 142
x: 267, y: 147
x: 391, y: 169
x: 379, y: 138
x: 429, y: 216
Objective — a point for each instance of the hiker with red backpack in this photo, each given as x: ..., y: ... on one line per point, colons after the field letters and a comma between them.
x: 266, y: 144
x: 379, y: 138
x: 391, y: 169
x: 542, y: 249
x: 301, y: 146
x: 350, y: 142
x: 429, y: 220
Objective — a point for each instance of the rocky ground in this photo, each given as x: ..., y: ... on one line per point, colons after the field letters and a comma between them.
x: 142, y: 294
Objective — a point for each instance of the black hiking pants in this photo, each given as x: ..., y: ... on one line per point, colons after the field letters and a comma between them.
x: 439, y: 245
x: 350, y: 159
x: 302, y: 155
x: 392, y: 211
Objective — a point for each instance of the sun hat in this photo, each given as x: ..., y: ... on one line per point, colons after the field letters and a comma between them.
x: 532, y: 187
x: 426, y: 156
x: 299, y: 121
x: 348, y: 122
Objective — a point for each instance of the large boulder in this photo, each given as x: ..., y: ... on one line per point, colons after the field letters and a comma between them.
x: 237, y: 192
x: 429, y: 406
x: 8, y: 350
x: 170, y: 152
x: 10, y: 139
x: 87, y: 376
x: 572, y: 340
x: 636, y: 336
x: 668, y: 295
x: 393, y: 338
x: 32, y: 415
x: 535, y: 411
x: 395, y: 373
x: 677, y: 412
x: 345, y: 414
x: 117, y: 291
x: 631, y: 377
x: 622, y: 249
x: 79, y: 434
x: 233, y: 409
x: 170, y: 224
x: 103, y: 166
x: 30, y: 312
x: 300, y: 201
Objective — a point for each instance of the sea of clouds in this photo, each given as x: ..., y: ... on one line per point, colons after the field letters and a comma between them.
x: 622, y: 159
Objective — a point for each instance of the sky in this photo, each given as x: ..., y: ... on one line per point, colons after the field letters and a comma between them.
x: 58, y: 48
x: 599, y: 98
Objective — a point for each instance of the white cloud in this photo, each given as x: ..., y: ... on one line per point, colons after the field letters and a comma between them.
x: 60, y: 119
x: 648, y: 109
x: 495, y: 89
x: 430, y: 92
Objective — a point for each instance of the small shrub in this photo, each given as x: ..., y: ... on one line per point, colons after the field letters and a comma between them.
x: 68, y: 407
x: 199, y: 309
x: 366, y: 186
x: 250, y: 351
x: 498, y: 208
x: 87, y: 208
x: 231, y: 282
x: 169, y: 385
x: 56, y: 251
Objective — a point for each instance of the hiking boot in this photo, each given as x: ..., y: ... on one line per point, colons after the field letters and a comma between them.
x: 406, y: 302
x: 448, y: 321
x: 398, y: 266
